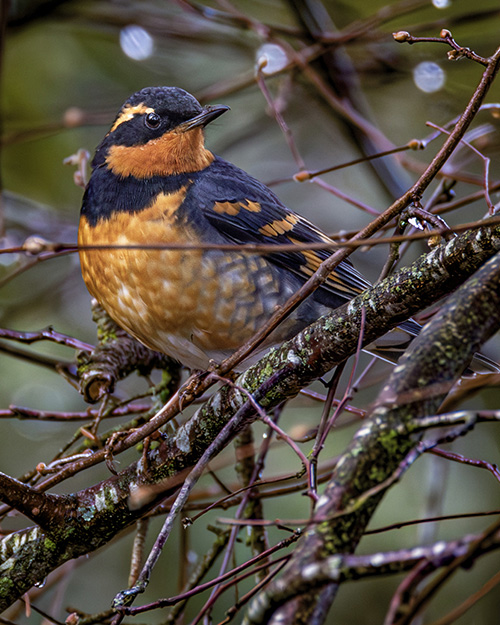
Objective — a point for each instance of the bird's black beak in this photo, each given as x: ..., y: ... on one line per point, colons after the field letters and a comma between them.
x: 208, y: 115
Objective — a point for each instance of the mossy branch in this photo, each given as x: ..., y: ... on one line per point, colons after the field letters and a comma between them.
x: 415, y: 389
x: 84, y: 521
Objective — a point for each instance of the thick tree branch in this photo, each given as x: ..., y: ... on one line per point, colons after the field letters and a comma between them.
x: 87, y: 520
x: 415, y: 389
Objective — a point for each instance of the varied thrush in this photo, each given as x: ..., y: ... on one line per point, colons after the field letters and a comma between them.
x: 154, y: 184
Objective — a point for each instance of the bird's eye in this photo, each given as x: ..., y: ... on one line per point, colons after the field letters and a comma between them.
x: 152, y: 120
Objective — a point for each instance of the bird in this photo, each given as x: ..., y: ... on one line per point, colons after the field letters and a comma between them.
x: 154, y: 188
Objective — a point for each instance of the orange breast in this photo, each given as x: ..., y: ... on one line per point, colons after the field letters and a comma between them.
x: 190, y: 304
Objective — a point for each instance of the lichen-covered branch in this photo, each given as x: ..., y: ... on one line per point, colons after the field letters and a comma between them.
x: 415, y: 389
x: 86, y: 520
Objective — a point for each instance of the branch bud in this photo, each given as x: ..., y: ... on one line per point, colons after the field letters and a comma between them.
x: 401, y: 36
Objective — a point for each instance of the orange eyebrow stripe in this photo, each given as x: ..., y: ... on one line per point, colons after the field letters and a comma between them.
x: 128, y: 112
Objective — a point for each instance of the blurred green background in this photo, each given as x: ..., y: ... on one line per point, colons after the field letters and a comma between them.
x: 66, y: 71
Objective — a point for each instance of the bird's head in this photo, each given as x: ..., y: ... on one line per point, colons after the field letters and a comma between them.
x: 158, y: 132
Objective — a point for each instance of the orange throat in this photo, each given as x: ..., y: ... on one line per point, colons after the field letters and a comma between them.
x: 173, y: 153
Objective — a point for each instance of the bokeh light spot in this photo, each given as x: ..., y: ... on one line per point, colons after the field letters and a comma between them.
x: 271, y: 58
x: 429, y: 77
x: 136, y: 42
